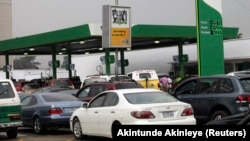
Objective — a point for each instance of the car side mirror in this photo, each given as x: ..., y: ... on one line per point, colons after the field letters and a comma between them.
x: 85, y: 105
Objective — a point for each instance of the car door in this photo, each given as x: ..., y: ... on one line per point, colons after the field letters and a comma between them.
x: 200, y: 96
x: 90, y: 117
x: 109, y: 111
x: 28, y: 109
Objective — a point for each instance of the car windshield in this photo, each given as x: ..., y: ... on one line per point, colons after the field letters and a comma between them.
x: 246, y: 84
x: 149, y: 97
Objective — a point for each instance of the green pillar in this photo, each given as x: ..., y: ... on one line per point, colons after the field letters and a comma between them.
x: 7, y: 63
x: 122, y: 60
x: 181, y: 63
x: 54, y: 62
x: 69, y: 60
x: 107, y: 61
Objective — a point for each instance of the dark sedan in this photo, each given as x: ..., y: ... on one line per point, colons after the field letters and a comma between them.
x: 44, y: 111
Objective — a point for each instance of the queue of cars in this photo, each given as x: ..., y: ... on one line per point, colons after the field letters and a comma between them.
x: 211, y: 100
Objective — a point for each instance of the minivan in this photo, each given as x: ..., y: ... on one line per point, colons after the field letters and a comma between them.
x: 10, y: 108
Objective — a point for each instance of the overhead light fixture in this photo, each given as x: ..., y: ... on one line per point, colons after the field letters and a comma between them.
x: 81, y: 42
x: 100, y: 48
x: 26, y: 53
x: 128, y: 49
x: 86, y: 53
x: 63, y: 49
x: 60, y: 53
x: 156, y: 42
x: 32, y: 49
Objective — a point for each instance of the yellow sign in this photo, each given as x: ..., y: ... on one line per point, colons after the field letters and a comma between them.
x: 120, y: 37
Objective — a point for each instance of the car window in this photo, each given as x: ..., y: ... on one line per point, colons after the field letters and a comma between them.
x: 226, y: 86
x: 84, y: 92
x: 149, y: 97
x: 28, y: 101
x: 6, y: 90
x: 96, y: 89
x: 186, y: 88
x: 97, y: 102
x: 246, y: 84
x: 111, y: 99
x: 207, y: 85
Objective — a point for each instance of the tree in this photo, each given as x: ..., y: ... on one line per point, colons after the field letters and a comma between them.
x: 27, y: 62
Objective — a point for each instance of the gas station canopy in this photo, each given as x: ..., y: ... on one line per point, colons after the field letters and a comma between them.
x: 88, y: 38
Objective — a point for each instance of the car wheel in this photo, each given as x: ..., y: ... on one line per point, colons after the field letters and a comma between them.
x: 12, y: 134
x: 116, y: 125
x: 37, y: 126
x: 77, y: 129
x: 218, y: 115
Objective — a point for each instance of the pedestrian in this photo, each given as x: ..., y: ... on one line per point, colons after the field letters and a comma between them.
x: 164, y: 83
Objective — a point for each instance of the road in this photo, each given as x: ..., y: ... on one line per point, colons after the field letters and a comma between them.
x: 27, y: 134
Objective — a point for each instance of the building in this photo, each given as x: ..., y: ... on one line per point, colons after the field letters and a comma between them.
x: 5, y: 25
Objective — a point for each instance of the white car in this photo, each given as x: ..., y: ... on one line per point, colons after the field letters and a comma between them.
x: 136, y: 106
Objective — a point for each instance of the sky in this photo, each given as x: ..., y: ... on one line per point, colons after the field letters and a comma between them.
x: 38, y: 16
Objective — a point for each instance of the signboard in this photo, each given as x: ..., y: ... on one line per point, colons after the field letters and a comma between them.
x: 116, y: 27
x: 210, y: 37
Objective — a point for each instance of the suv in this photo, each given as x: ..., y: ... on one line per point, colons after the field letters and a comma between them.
x: 87, y: 92
x: 215, y: 97
x: 10, y: 108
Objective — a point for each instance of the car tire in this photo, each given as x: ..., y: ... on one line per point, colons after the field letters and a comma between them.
x: 12, y: 134
x: 37, y: 126
x: 77, y: 130
x: 219, y: 114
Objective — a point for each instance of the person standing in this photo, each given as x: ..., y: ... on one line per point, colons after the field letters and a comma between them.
x: 164, y: 83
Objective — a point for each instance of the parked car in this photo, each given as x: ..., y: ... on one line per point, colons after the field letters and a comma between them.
x: 104, y: 78
x: 237, y: 119
x: 136, y: 106
x: 147, y: 78
x: 30, y: 87
x: 215, y: 97
x: 61, y: 82
x: 44, y: 111
x: 10, y: 109
x: 87, y: 92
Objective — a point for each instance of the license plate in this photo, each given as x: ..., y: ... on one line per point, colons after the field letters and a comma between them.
x: 168, y: 114
x: 69, y: 110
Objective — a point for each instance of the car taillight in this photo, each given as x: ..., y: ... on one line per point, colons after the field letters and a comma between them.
x: 243, y: 98
x: 187, y: 112
x: 14, y: 117
x: 142, y: 114
x: 55, y: 111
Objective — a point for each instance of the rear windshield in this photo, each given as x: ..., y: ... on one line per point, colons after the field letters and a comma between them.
x: 6, y: 90
x: 113, y: 78
x: 128, y: 85
x: 149, y: 97
x: 246, y: 84
x: 91, y: 80
x: 59, y: 97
